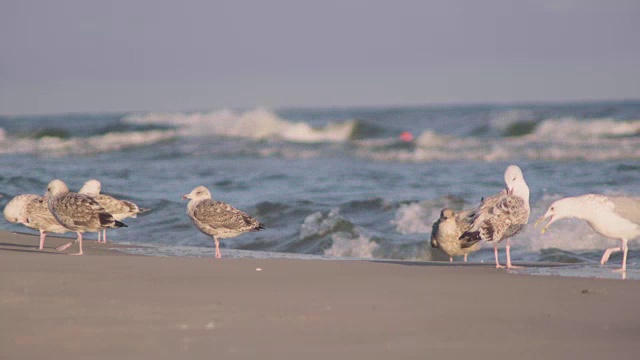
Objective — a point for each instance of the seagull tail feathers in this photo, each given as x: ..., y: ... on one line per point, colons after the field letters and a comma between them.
x: 469, y: 238
x: 119, y: 224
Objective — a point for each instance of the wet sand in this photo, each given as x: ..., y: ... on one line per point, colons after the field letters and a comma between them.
x: 107, y: 305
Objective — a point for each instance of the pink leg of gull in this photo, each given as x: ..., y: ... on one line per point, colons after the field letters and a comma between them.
x: 218, y: 255
x: 79, y: 240
x: 104, y: 236
x: 99, y: 233
x: 42, y: 236
x: 465, y: 257
x: 509, y: 266
x: 450, y: 258
x: 66, y: 246
x: 625, y: 248
x: 495, y: 252
x: 607, y: 253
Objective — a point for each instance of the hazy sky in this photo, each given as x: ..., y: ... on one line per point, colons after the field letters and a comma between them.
x: 85, y: 55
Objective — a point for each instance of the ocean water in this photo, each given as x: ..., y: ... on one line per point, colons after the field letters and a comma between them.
x: 335, y: 182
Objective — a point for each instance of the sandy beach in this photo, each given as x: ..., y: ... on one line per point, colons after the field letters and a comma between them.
x: 109, y: 305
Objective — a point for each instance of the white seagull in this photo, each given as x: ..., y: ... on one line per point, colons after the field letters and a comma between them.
x: 501, y: 216
x: 615, y: 217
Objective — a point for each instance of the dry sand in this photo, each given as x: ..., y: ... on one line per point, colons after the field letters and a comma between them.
x: 132, y: 307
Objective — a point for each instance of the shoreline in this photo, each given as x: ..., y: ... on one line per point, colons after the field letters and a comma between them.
x: 143, y: 307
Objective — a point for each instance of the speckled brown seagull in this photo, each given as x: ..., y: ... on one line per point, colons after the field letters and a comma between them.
x: 446, y: 231
x: 501, y: 216
x: 218, y: 219
x: 33, y: 212
x: 119, y: 209
x: 77, y: 212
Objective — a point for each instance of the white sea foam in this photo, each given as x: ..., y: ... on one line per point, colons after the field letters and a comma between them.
x: 415, y: 218
x: 572, y: 130
x: 255, y: 124
x: 347, y: 240
x: 346, y: 246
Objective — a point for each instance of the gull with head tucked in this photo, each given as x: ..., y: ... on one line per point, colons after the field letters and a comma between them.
x: 218, y: 219
x: 119, y: 209
x: 77, y: 212
x: 33, y: 212
x: 501, y: 216
x: 615, y: 217
x: 446, y: 231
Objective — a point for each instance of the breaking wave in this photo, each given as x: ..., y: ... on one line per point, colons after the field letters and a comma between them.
x: 258, y: 124
x: 336, y: 235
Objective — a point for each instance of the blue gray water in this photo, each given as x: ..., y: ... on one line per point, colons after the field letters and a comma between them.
x: 335, y: 182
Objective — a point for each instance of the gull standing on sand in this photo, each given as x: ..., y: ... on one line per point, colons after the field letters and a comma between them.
x: 119, y: 209
x: 216, y: 218
x: 33, y: 212
x: 446, y: 231
x: 77, y: 212
x: 615, y: 217
x: 501, y: 216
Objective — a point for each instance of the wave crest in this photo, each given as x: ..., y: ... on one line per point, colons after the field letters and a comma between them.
x: 345, y: 239
x: 258, y: 124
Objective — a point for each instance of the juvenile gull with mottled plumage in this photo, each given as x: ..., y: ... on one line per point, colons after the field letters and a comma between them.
x: 33, y: 212
x: 77, y: 212
x: 216, y: 218
x: 119, y: 209
x: 501, y: 216
x: 446, y: 231
x: 615, y: 217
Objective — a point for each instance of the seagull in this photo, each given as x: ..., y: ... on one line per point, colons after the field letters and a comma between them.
x: 216, y: 218
x: 501, y: 216
x: 615, y: 217
x: 119, y: 209
x: 33, y: 212
x: 77, y: 212
x: 446, y: 231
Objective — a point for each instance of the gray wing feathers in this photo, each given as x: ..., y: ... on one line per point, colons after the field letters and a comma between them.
x: 220, y: 215
x: 40, y: 217
x: 120, y: 209
x: 79, y: 212
x: 500, y: 217
x: 628, y: 208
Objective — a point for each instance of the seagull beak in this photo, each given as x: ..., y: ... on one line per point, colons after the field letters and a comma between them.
x: 509, y: 191
x: 185, y: 197
x: 544, y: 229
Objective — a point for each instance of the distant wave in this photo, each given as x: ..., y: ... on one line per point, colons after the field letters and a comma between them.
x: 51, y: 143
x: 551, y: 139
x: 256, y: 124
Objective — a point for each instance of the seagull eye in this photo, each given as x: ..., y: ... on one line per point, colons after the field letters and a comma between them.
x: 552, y: 208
